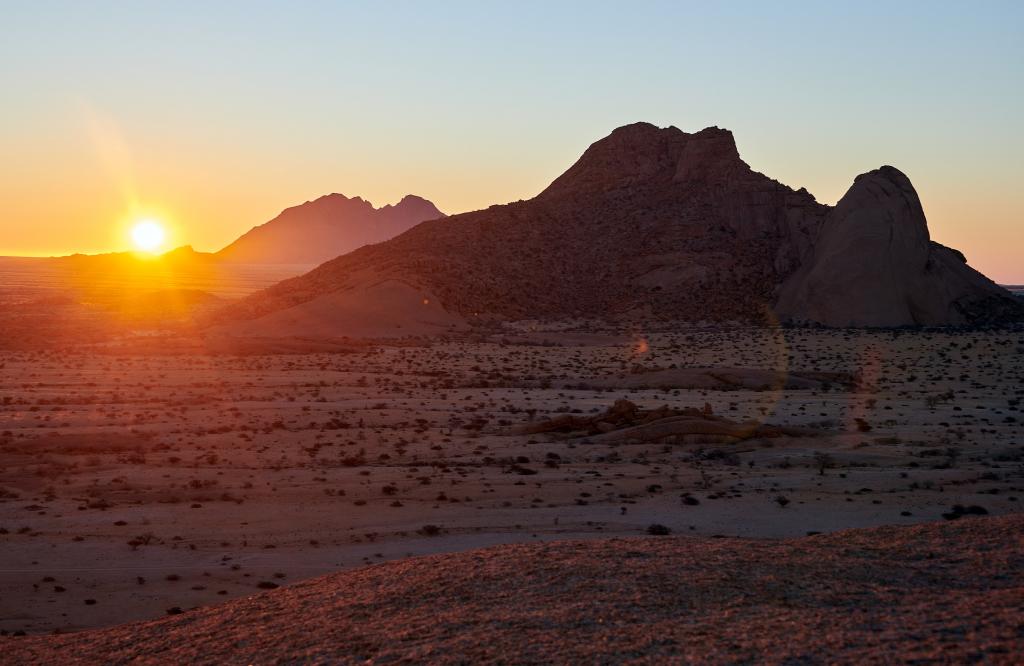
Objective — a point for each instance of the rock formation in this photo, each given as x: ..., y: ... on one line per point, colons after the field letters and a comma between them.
x: 660, y: 223
x: 326, y: 228
x: 874, y: 264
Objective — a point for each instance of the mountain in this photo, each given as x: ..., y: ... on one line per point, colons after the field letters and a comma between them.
x: 326, y: 228
x: 656, y: 223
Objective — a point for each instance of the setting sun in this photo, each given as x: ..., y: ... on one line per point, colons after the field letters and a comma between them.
x: 148, y: 235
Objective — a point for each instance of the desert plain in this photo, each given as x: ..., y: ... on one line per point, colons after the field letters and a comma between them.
x: 159, y: 474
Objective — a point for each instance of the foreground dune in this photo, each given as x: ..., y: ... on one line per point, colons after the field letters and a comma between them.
x: 935, y: 592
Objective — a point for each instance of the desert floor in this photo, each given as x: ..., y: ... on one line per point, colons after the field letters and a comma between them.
x: 135, y: 485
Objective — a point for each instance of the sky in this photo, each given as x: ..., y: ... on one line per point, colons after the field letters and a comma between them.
x: 215, y: 116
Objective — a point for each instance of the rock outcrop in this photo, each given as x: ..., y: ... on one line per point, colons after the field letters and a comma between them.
x: 660, y: 223
x: 873, y: 264
x: 330, y: 226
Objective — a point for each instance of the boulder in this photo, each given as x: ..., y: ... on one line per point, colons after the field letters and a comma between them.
x: 873, y: 264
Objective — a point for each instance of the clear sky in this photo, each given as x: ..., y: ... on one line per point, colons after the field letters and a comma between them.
x: 214, y: 116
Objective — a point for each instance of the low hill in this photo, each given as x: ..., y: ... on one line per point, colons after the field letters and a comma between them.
x: 940, y: 592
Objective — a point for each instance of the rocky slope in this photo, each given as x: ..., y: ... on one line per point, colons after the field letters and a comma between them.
x: 661, y: 223
x: 935, y: 593
x: 330, y: 226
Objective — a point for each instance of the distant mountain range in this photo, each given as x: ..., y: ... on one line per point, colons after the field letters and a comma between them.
x: 325, y: 228
x: 649, y: 223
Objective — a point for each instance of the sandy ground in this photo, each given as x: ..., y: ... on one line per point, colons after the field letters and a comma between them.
x: 136, y: 485
x: 936, y: 593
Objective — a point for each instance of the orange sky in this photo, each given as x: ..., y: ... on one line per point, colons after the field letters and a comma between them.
x: 215, y: 118
x: 92, y: 182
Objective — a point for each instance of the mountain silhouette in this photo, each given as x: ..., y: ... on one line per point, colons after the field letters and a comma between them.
x: 332, y: 225
x: 649, y: 223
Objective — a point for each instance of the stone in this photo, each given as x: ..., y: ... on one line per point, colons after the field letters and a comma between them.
x: 874, y: 265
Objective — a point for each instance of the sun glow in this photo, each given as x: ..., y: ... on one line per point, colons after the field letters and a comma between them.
x: 148, y: 235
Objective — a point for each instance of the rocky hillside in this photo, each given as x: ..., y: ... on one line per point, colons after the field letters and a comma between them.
x: 328, y: 227
x: 936, y: 593
x: 659, y: 223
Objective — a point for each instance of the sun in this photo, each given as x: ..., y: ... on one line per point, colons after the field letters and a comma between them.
x: 148, y: 235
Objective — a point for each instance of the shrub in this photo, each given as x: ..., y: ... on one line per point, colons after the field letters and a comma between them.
x: 429, y: 530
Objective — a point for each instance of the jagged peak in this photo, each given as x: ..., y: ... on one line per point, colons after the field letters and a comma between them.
x: 333, y: 200
x: 411, y: 199
x: 332, y: 197
x: 640, y: 129
x: 642, y: 152
x: 336, y: 199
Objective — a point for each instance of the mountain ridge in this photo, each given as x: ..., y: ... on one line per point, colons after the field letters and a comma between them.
x: 324, y: 228
x: 648, y: 222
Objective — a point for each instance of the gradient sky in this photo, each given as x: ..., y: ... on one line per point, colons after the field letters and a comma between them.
x: 214, y: 116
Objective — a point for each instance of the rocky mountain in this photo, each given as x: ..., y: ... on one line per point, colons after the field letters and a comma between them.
x: 653, y: 223
x: 325, y: 228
